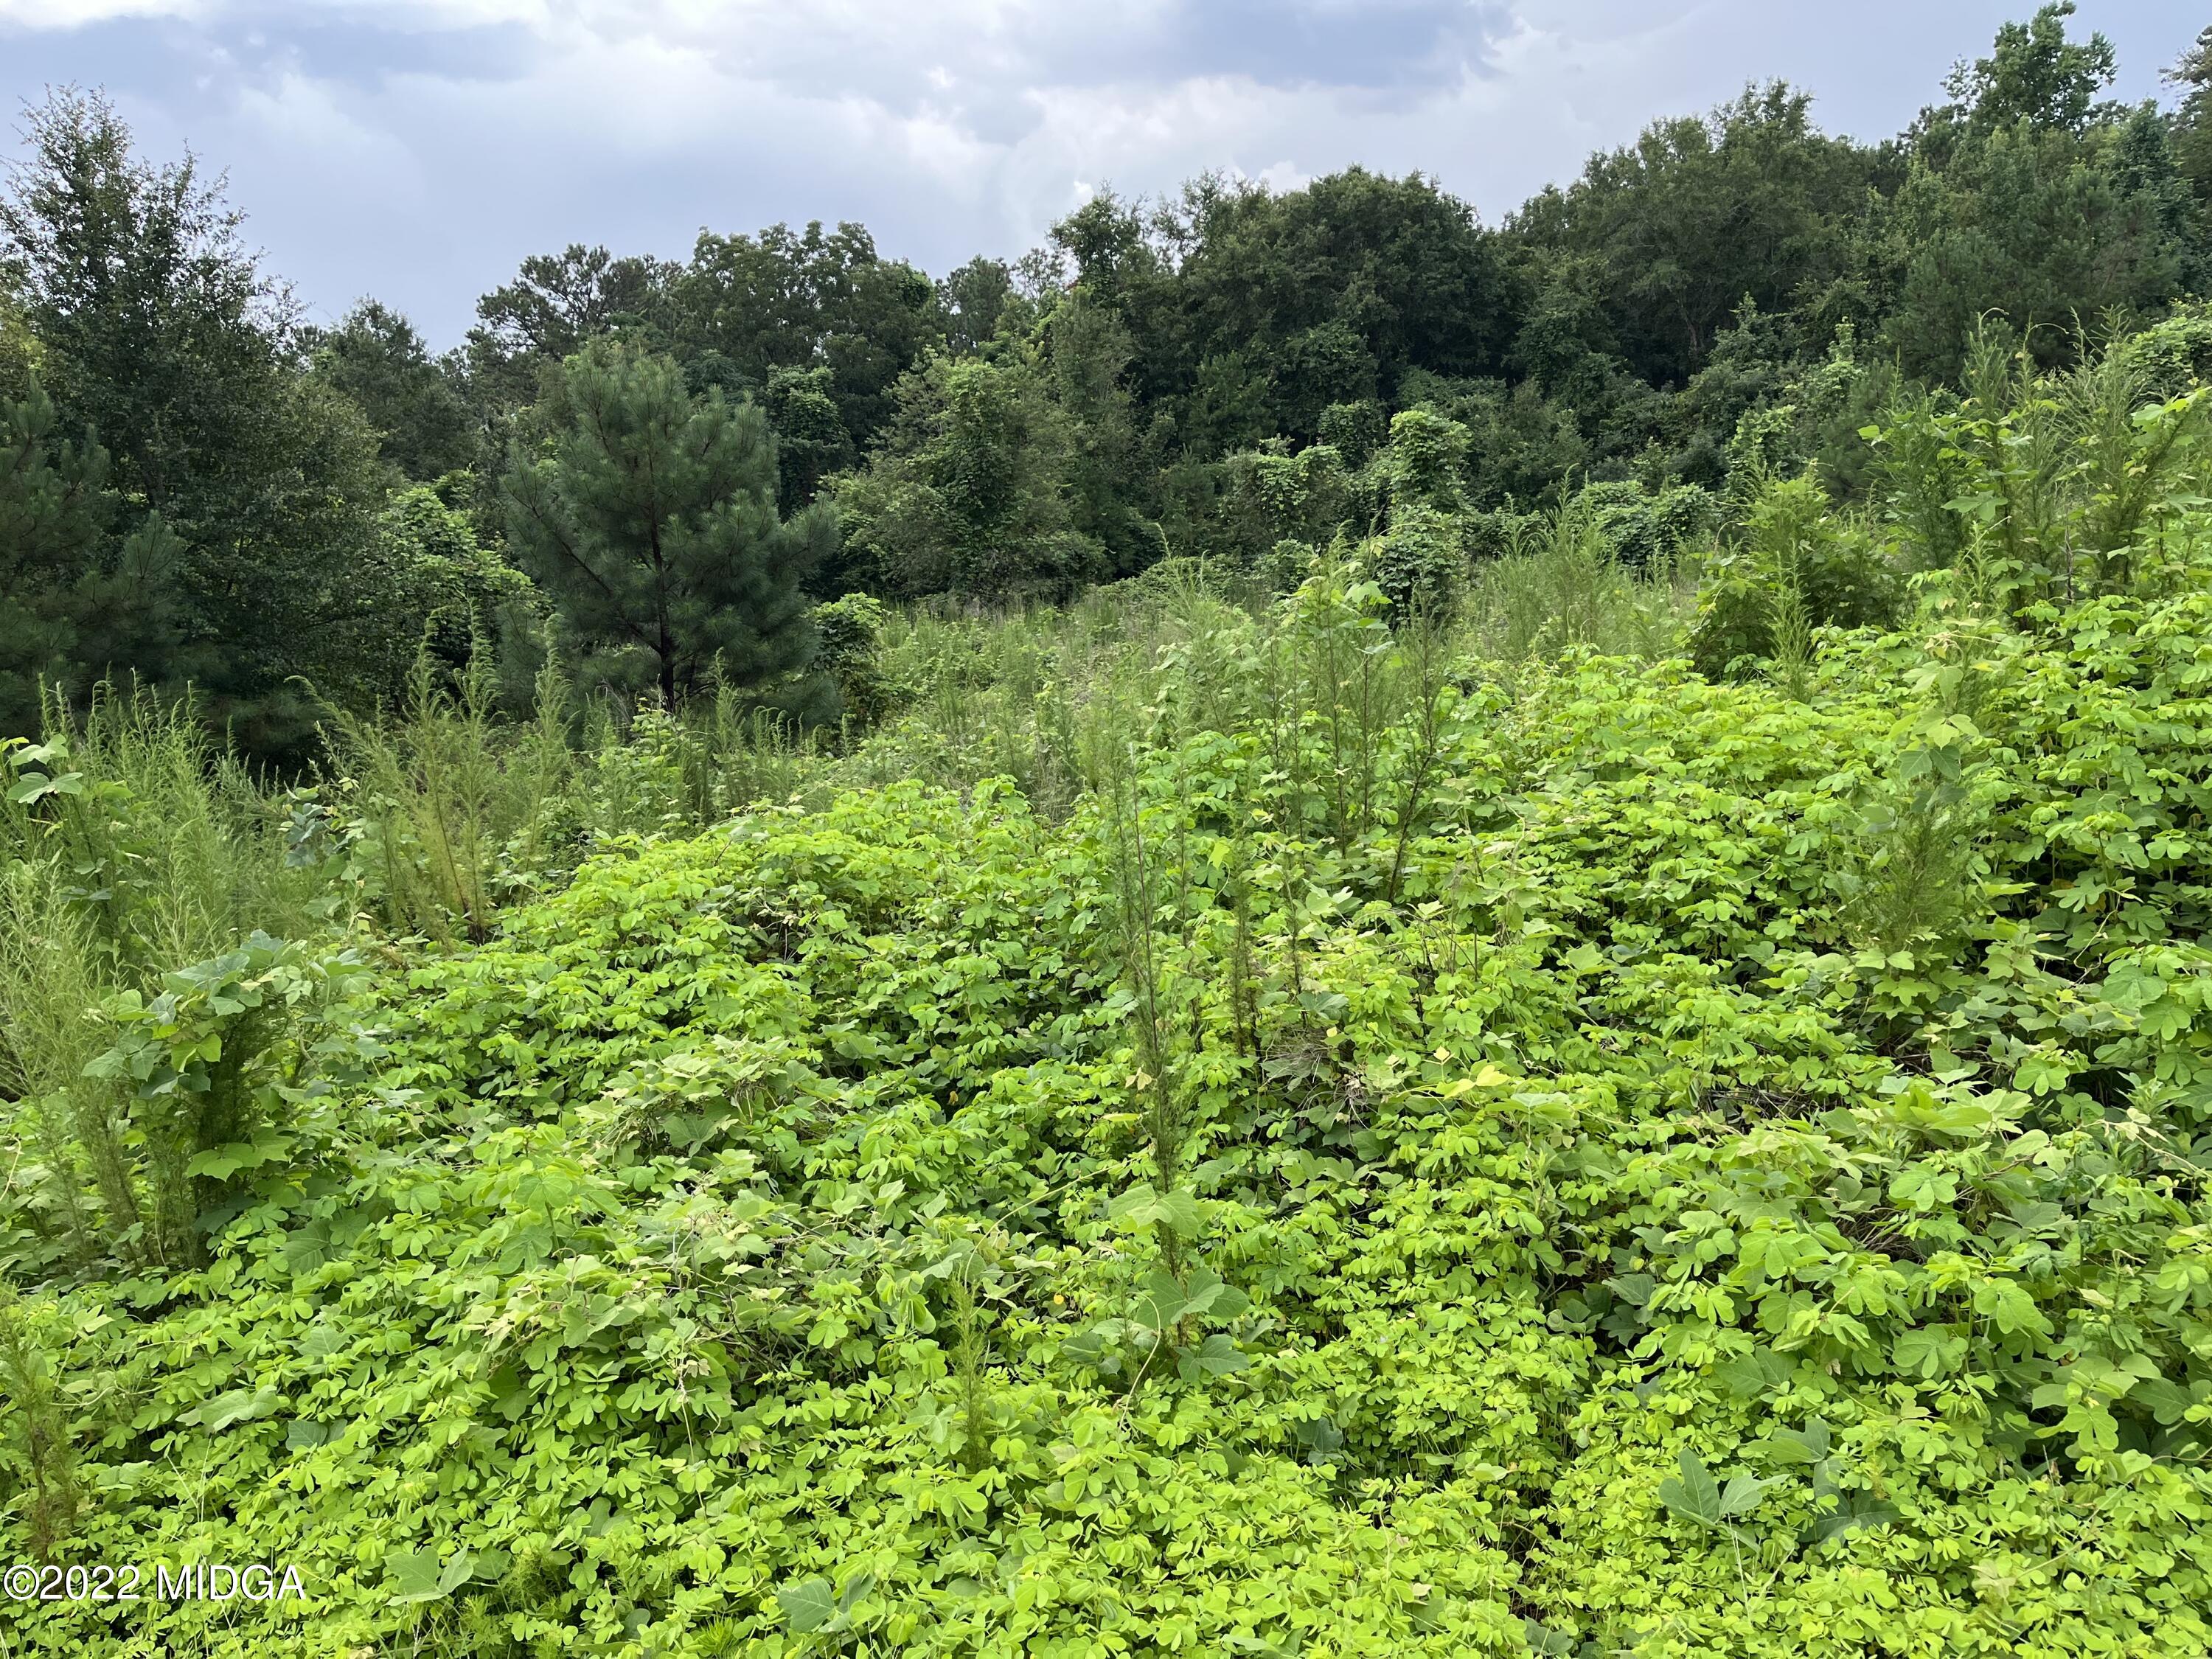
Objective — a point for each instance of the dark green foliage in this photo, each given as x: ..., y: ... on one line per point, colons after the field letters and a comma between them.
x: 2192, y: 121
x: 2034, y: 75
x: 1260, y: 498
x: 556, y: 303
x: 38, y: 1451
x: 2027, y: 196
x: 416, y: 403
x: 973, y: 300
x: 652, y: 521
x: 152, y: 319
x: 76, y: 597
x: 1419, y: 561
x: 1423, y: 463
x: 1014, y: 474
x: 1740, y: 266
x: 2030, y: 220
x: 2175, y: 354
x: 970, y: 493
x: 810, y: 441
x: 1354, y: 430
x: 455, y: 592
x: 849, y: 632
x: 2038, y: 488
x: 19, y: 348
x: 1312, y: 299
x: 1697, y: 215
x: 1792, y: 553
x: 1212, y: 377
x: 436, y: 588
x: 1653, y: 531
x: 808, y: 299
x: 1088, y: 355
x: 1522, y: 444
x: 159, y: 334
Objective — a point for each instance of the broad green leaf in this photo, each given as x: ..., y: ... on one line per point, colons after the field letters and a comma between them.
x: 2169, y: 1402
x: 1205, y: 1294
x: 1805, y: 1446
x: 1693, y: 1495
x: 808, y: 1605
x: 1162, y: 1302
x: 418, y: 1577
x: 1925, y: 1352
x: 239, y: 1406
x: 1140, y: 1209
x: 1215, y: 1357
x: 2012, y: 1307
x: 1828, y: 1528
x: 1744, y: 1493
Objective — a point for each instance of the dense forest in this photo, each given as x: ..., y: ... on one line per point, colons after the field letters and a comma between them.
x: 1304, y: 928
x: 204, y: 490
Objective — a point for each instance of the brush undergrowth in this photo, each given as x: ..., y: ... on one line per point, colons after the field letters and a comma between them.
x: 1217, y: 1124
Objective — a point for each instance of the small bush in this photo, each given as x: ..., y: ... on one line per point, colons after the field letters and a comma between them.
x: 1793, y: 552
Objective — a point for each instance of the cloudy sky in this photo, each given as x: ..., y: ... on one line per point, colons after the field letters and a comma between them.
x: 417, y: 149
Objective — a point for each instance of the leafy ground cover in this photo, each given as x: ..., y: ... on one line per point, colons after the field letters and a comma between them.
x: 1406, y: 1164
x: 1651, y: 1115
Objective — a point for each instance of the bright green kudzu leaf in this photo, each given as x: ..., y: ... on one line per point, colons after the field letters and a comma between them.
x: 239, y: 1406
x: 1217, y: 1356
x: 417, y: 1576
x: 1827, y: 1527
x: 1693, y: 1495
x: 1140, y: 1210
x: 808, y: 1605
x: 1745, y: 1493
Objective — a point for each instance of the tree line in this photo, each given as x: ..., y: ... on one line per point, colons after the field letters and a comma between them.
x: 655, y: 469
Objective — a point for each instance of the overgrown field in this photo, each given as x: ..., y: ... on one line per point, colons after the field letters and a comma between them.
x: 1225, y: 1126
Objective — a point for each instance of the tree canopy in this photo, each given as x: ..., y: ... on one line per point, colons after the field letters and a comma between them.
x: 1736, y: 284
x: 653, y: 520
x: 1306, y: 926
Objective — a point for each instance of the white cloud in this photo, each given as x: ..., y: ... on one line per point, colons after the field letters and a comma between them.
x: 418, y: 148
x: 76, y: 13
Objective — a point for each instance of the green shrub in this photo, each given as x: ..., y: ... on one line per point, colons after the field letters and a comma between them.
x: 1795, y: 557
x: 851, y: 633
x: 1224, y: 1124
x: 1560, y: 583
x: 36, y: 1454
x: 1418, y: 561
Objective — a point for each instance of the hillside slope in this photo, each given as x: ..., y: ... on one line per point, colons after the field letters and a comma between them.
x: 1410, y: 1166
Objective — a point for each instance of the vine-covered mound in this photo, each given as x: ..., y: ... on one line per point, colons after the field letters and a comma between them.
x: 1635, y: 1164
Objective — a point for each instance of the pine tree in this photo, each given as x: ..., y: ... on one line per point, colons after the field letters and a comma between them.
x: 49, y: 496
x: 77, y: 601
x: 2192, y: 117
x: 157, y: 329
x: 652, y: 521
